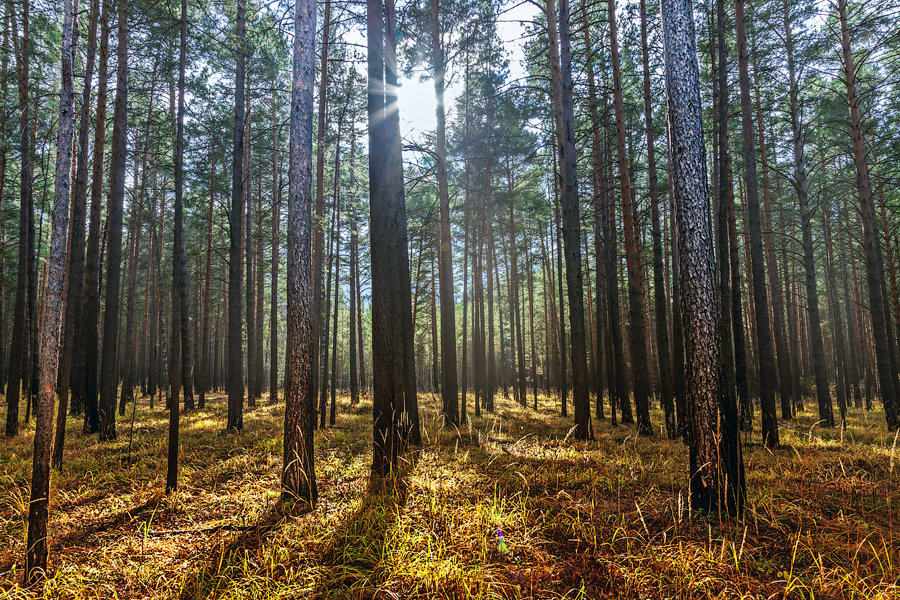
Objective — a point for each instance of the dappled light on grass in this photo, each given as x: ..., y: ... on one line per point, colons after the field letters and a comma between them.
x: 606, y: 519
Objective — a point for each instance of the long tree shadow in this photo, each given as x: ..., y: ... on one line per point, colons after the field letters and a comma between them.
x: 355, y: 557
x: 205, y: 584
x: 351, y: 559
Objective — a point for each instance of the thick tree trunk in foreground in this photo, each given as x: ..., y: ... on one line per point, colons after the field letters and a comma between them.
x: 395, y: 403
x: 716, y: 465
x: 38, y: 506
x: 298, y: 479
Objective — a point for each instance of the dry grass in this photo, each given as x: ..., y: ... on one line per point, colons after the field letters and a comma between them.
x: 604, y: 519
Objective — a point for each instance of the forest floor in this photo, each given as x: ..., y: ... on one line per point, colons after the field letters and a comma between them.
x: 602, y: 519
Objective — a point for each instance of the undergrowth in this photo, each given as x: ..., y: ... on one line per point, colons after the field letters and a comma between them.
x: 601, y: 519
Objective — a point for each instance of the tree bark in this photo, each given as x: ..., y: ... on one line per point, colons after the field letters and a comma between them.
x: 319, y: 221
x: 396, y: 420
x: 764, y: 346
x: 276, y: 254
x: 716, y: 465
x: 180, y: 322
x: 722, y: 181
x: 17, y: 365
x: 659, y: 287
x: 109, y: 376
x: 75, y: 291
x: 881, y: 329
x: 39, y: 503
x: 205, y: 354
x: 235, y: 383
x: 449, y: 390
x: 823, y: 394
x: 638, y: 328
x: 298, y: 479
x: 571, y: 235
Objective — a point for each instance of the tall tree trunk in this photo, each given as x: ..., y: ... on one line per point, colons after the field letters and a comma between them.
x: 881, y: 330
x: 681, y: 407
x: 659, y: 287
x: 556, y: 96
x: 842, y: 386
x: 319, y: 221
x: 571, y: 236
x: 601, y: 263
x: 410, y: 417
x: 157, y: 329
x: 722, y: 181
x: 326, y: 321
x: 464, y: 383
x: 515, y: 316
x: 449, y: 390
x: 39, y: 503
x: 276, y: 253
x: 4, y: 153
x: 135, y: 226
x: 250, y: 288
x: 298, y: 479
x: 359, y: 327
x: 823, y: 394
x: 764, y: 347
x: 793, y: 362
x: 181, y: 350
x: 235, y: 383
x: 435, y: 360
x: 563, y: 372
x: 259, y: 366
x: 534, y: 355
x: 336, y: 232
x: 889, y: 254
x: 75, y: 291
x: 488, y: 262
x: 638, y: 329
x: 716, y: 465
x: 110, y: 377
x: 354, y: 260
x: 17, y: 363
x: 205, y: 354
x: 395, y: 405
